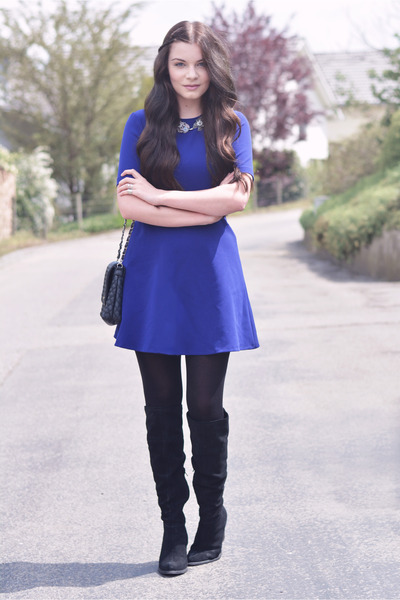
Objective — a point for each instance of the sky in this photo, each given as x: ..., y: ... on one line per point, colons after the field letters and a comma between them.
x: 326, y: 25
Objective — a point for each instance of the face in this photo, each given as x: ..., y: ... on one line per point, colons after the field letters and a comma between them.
x: 188, y: 74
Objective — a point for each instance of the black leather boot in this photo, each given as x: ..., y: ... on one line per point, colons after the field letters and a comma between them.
x: 165, y: 441
x: 209, y: 460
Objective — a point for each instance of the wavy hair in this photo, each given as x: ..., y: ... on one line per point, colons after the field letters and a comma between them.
x: 156, y: 147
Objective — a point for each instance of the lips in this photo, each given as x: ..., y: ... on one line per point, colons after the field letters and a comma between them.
x: 192, y: 88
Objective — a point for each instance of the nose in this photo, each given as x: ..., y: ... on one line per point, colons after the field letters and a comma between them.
x: 192, y: 72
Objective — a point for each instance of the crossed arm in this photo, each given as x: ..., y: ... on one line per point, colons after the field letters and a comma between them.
x: 174, y: 208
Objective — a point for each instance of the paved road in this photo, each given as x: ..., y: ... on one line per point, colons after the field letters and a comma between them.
x: 313, y: 493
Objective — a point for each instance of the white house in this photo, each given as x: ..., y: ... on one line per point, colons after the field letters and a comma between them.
x: 343, y: 92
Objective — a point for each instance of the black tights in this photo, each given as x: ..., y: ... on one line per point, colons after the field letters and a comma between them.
x: 205, y: 377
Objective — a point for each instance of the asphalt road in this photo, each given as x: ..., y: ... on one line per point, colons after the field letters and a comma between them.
x: 313, y: 493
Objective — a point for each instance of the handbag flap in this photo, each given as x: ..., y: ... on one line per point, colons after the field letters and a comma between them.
x: 107, y: 279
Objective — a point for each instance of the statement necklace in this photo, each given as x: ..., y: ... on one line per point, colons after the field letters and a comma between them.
x: 184, y: 127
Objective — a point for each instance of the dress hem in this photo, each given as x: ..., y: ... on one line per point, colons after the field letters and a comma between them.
x: 169, y: 353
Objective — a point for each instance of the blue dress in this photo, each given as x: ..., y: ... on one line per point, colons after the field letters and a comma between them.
x: 184, y: 290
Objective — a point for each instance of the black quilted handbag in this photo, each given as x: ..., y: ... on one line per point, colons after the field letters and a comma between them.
x: 113, y: 286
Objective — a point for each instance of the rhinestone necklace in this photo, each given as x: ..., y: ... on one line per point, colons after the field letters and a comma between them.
x: 184, y: 127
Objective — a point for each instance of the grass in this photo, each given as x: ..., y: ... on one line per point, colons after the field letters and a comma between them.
x: 68, y: 231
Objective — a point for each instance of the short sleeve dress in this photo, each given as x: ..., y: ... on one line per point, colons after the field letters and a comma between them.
x: 184, y: 291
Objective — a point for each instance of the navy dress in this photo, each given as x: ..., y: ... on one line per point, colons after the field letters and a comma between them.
x: 184, y: 290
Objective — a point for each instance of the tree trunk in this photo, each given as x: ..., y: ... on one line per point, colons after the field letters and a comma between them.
x: 78, y: 209
x: 279, y: 191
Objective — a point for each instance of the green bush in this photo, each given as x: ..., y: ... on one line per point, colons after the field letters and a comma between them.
x: 353, y: 219
x: 308, y: 219
x: 99, y: 223
x: 36, y: 191
x: 390, y: 154
x: 7, y: 161
x: 348, y: 162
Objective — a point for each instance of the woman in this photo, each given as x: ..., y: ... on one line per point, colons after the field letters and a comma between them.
x: 185, y: 163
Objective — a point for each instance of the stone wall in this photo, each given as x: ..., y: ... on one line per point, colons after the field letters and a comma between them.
x: 7, y: 195
x: 380, y: 260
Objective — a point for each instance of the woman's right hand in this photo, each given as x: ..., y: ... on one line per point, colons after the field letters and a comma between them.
x: 133, y: 183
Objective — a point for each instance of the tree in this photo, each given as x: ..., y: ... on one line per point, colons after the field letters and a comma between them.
x: 71, y: 78
x: 386, y: 89
x: 279, y: 174
x: 387, y: 86
x: 390, y: 152
x: 272, y: 75
x: 272, y: 79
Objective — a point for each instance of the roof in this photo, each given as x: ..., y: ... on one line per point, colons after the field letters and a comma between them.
x: 339, y: 75
x: 346, y: 74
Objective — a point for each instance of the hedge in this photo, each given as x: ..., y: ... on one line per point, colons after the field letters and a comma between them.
x: 347, y: 221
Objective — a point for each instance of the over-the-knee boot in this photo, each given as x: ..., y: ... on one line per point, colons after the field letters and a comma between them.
x: 209, y: 460
x: 165, y: 441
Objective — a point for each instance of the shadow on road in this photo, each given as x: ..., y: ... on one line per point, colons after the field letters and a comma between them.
x: 323, y: 266
x: 19, y: 576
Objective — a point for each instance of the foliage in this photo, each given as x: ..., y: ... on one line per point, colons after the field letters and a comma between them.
x: 71, y: 79
x: 36, y: 192
x: 279, y: 175
x: 387, y: 86
x: 272, y: 76
x: 308, y: 218
x: 94, y: 224
x: 269, y: 162
x: 390, y: 155
x: 349, y: 160
x: 353, y: 219
x: 7, y: 160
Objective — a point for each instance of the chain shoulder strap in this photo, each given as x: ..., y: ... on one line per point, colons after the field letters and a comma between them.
x: 121, y: 253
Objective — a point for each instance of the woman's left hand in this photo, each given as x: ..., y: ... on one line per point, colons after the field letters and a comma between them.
x: 138, y: 186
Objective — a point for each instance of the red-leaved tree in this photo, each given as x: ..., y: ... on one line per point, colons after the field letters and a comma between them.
x: 272, y: 75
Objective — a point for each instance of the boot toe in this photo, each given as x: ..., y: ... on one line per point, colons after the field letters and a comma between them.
x: 173, y: 560
x: 202, y: 557
x: 172, y: 569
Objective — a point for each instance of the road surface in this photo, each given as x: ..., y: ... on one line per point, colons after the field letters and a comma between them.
x: 313, y: 493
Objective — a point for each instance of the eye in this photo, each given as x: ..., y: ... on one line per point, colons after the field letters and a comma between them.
x: 201, y: 64
x: 179, y: 64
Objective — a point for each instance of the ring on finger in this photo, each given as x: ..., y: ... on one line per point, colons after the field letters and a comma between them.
x: 130, y: 191
x: 130, y: 186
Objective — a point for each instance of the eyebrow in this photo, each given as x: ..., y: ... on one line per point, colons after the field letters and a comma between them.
x: 183, y: 60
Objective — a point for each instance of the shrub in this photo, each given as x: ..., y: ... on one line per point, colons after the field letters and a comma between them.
x: 36, y: 192
x: 348, y: 161
x: 353, y: 219
x: 104, y: 222
x: 280, y: 176
x: 7, y: 160
x: 308, y: 218
x: 94, y: 224
x: 390, y: 154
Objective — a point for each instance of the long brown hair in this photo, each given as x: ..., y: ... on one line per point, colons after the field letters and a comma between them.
x: 157, y: 147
